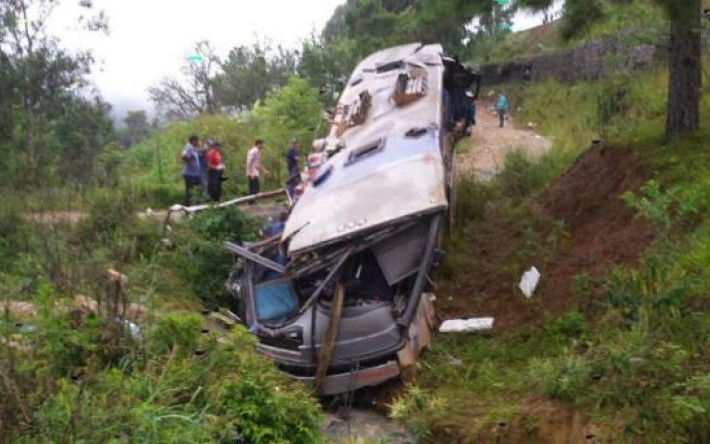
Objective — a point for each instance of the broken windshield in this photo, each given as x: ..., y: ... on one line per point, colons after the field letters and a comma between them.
x: 275, y: 300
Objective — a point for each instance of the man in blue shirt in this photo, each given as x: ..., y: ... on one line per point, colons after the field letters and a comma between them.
x: 192, y: 171
x: 294, y: 174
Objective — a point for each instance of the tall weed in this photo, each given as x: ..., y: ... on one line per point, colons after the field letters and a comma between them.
x: 202, y: 261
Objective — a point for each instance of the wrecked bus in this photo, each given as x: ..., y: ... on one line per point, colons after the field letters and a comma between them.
x: 336, y: 300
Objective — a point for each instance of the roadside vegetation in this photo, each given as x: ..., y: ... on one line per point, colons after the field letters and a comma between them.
x: 101, y: 333
x: 618, y: 356
x: 101, y: 337
x: 75, y: 370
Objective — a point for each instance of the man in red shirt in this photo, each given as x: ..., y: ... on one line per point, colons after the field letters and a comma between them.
x: 215, y: 170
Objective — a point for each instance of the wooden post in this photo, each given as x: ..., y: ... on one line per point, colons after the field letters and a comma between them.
x: 330, y: 336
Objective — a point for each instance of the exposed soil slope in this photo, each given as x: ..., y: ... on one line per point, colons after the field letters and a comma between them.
x: 579, y: 225
x: 602, y: 229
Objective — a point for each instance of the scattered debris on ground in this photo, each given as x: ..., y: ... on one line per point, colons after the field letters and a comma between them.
x: 465, y: 325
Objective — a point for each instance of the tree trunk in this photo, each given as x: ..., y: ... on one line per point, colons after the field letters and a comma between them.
x: 685, y: 71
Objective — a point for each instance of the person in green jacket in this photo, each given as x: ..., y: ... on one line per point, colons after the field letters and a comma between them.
x: 502, y: 107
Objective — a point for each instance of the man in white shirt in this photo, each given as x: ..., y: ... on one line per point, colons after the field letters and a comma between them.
x: 254, y: 167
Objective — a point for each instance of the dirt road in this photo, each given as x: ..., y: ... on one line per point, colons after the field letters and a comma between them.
x: 490, y: 144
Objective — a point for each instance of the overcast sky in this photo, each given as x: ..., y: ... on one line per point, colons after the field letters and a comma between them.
x: 150, y: 39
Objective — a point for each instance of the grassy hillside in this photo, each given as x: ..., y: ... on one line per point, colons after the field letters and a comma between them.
x: 153, y: 168
x: 613, y: 346
x: 643, y: 17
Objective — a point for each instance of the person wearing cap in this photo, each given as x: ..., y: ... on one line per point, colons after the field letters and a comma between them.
x: 293, y: 172
x: 215, y: 170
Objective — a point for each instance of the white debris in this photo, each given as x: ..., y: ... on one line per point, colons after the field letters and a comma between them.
x: 466, y: 325
x: 133, y: 329
x: 455, y: 361
x: 528, y: 282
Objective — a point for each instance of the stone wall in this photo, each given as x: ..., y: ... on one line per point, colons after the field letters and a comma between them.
x: 589, y: 61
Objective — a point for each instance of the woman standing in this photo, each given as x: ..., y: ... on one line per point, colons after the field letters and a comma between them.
x: 215, y: 170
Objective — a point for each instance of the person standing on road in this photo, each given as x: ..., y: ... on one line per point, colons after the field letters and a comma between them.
x: 469, y: 113
x: 254, y: 167
x: 294, y: 175
x: 215, y: 170
x: 192, y: 171
x: 502, y: 107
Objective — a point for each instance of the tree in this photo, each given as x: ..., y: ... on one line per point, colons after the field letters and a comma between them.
x: 292, y: 111
x: 137, y: 128
x: 685, y: 67
x: 328, y: 65
x: 250, y: 72
x: 41, y: 84
x: 448, y: 22
x: 193, y: 93
x: 684, y: 55
x: 80, y: 135
x: 376, y: 24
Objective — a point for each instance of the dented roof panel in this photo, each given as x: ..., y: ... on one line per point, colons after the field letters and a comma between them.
x: 381, y: 174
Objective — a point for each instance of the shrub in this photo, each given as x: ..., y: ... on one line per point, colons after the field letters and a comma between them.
x: 177, y: 332
x: 416, y: 407
x: 227, y: 393
x: 202, y: 260
x: 690, y: 410
x: 15, y: 231
x: 521, y: 176
x: 152, y: 194
x: 565, y: 377
x: 571, y: 324
x: 109, y: 212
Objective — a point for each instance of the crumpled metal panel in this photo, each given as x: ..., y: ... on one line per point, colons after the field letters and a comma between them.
x: 399, y: 256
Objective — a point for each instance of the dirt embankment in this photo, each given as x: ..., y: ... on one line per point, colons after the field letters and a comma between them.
x: 603, y: 231
x: 593, y: 230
